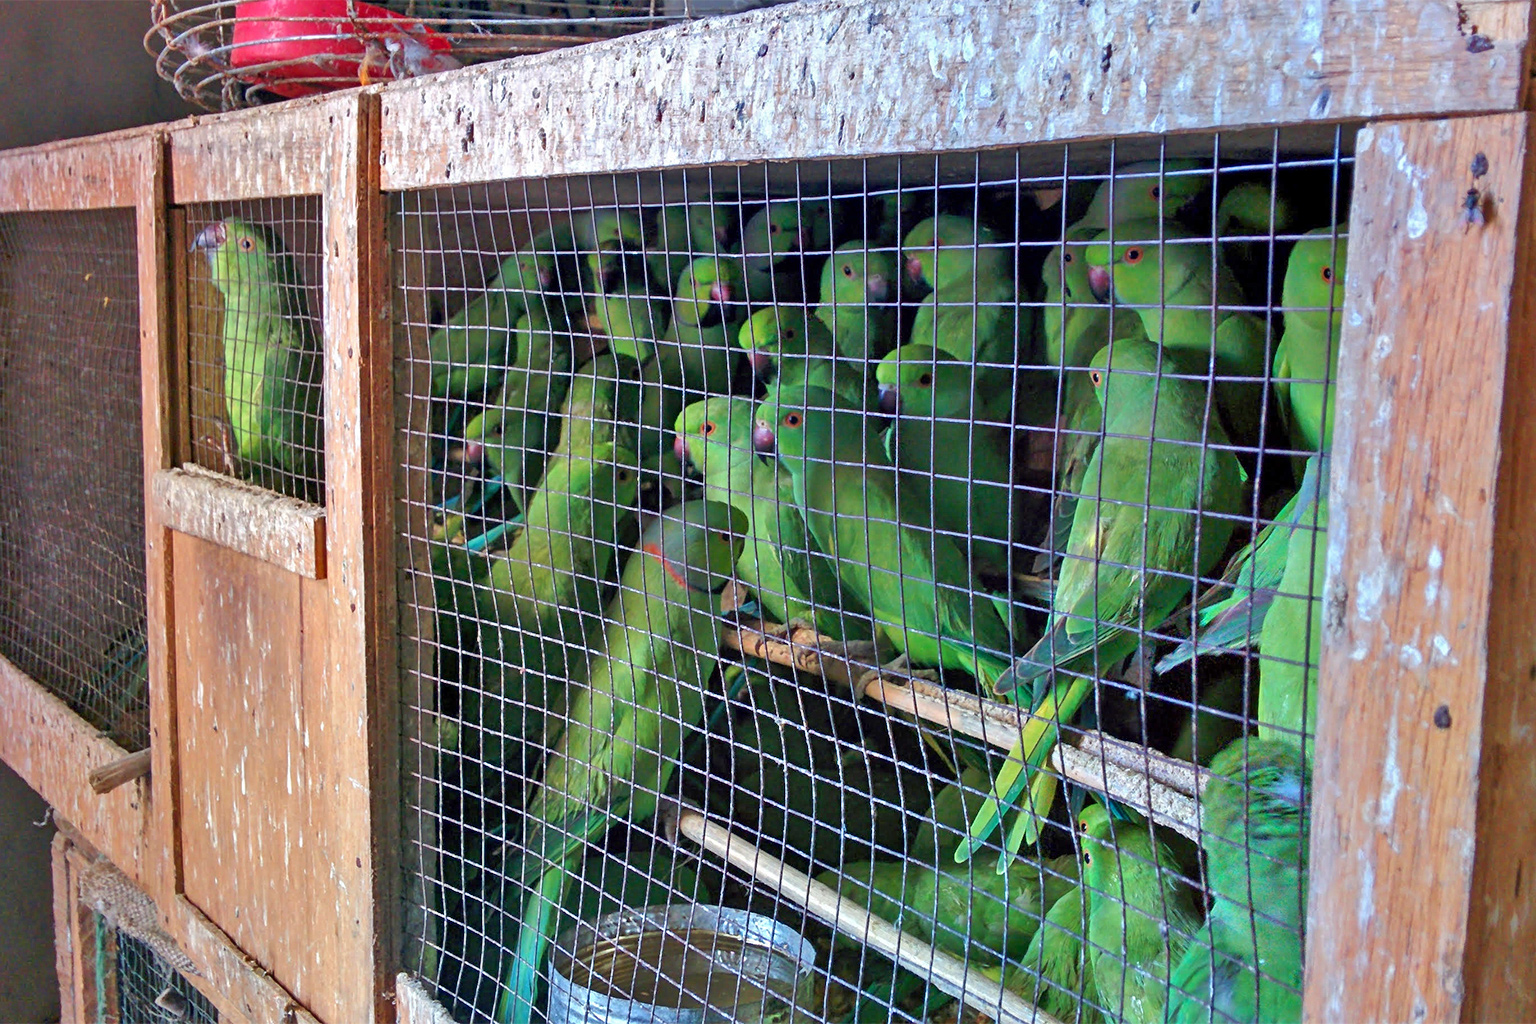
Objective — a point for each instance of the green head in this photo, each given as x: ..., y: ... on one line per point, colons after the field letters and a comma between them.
x: 920, y: 380
x: 805, y: 422
x: 1314, y: 278
x: 1136, y: 370
x: 716, y: 430
x: 1143, y: 271
x: 532, y: 268
x: 775, y: 231
x: 1121, y: 858
x: 943, y: 251
x: 613, y: 241
x: 1258, y: 789
x: 776, y: 331
x: 244, y: 257
x: 697, y: 542
x: 709, y: 228
x: 607, y: 474
x: 632, y: 322
x: 854, y: 276
x: 1065, y: 270
x: 1147, y: 189
x: 709, y: 291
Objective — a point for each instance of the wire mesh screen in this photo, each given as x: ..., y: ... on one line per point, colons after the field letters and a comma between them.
x: 254, y: 352
x: 71, y: 464
x: 149, y: 990
x: 947, y: 530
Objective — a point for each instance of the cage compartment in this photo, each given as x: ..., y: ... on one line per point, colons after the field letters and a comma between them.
x: 555, y: 273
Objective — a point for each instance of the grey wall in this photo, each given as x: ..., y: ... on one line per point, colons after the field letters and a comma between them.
x: 67, y: 68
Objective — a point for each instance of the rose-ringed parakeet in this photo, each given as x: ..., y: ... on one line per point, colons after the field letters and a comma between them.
x: 1155, y: 511
x: 1292, y: 637
x: 1246, y: 963
x: 623, y: 734
x: 790, y: 349
x: 541, y: 595
x: 858, y: 300
x: 600, y: 408
x: 1141, y: 915
x: 957, y: 444
x: 972, y: 312
x: 916, y: 583
x: 1054, y: 973
x: 1307, y: 358
x: 708, y: 307
x: 630, y: 318
x: 272, y: 359
x: 774, y: 243
x: 612, y: 247
x: 515, y: 431
x: 792, y: 578
x: 1143, y: 189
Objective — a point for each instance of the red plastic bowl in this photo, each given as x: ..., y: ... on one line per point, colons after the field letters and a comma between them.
x: 314, y: 44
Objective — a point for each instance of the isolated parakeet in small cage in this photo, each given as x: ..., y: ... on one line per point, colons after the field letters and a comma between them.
x: 272, y: 358
x: 623, y: 734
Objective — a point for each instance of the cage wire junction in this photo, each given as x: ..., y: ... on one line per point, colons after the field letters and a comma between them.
x: 227, y: 55
x: 147, y: 989
x: 71, y: 470
x: 254, y: 302
x: 958, y: 404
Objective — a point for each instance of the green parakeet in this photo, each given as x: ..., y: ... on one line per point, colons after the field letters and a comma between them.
x: 1141, y: 915
x: 972, y: 313
x: 515, y: 431
x: 601, y: 407
x: 708, y: 306
x: 623, y: 735
x: 542, y: 593
x: 1144, y: 189
x: 1142, y: 529
x: 1246, y: 963
x: 1292, y: 638
x: 790, y: 576
x: 272, y: 359
x: 773, y: 242
x: 916, y: 583
x: 1054, y: 973
x: 631, y: 319
x: 858, y: 300
x: 612, y: 246
x: 1307, y: 358
x: 792, y: 349
x: 1185, y: 302
x: 959, y: 446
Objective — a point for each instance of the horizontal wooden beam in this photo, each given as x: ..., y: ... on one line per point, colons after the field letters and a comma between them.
x: 287, y: 532
x: 53, y: 750
x: 240, y: 981
x: 859, y: 78
x: 98, y: 172
x: 264, y: 152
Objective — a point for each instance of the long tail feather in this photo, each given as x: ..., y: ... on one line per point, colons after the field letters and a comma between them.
x: 521, y: 990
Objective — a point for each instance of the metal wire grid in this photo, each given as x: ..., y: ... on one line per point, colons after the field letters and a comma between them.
x: 149, y: 990
x: 71, y: 464
x: 254, y: 303
x: 226, y: 55
x: 550, y: 327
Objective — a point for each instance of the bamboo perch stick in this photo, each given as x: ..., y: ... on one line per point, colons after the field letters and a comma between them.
x: 945, y: 972
x: 1130, y: 786
x: 105, y: 778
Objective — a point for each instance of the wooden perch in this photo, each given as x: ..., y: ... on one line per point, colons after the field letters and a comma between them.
x: 1166, y: 789
x: 105, y: 778
x: 945, y: 972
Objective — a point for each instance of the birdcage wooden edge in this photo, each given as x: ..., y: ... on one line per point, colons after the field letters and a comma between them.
x: 97, y: 172
x: 853, y: 78
x: 287, y: 532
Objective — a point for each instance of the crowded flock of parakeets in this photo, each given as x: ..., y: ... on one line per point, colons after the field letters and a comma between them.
x: 1023, y: 452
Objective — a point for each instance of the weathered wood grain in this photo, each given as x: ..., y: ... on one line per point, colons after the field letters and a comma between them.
x: 78, y: 174
x: 285, y: 531
x: 850, y: 78
x: 237, y: 984
x: 415, y: 1005
x: 1415, y: 700
x: 64, y: 929
x: 264, y: 152
x: 53, y: 750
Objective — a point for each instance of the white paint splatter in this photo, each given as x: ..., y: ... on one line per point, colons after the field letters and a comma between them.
x: 1432, y: 585
x: 1368, y: 591
x: 1382, y: 348
x: 1442, y: 647
x: 1391, y: 778
x: 1410, y: 657
x: 1365, y: 903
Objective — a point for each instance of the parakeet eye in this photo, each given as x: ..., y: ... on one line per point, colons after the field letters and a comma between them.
x: 1097, y: 376
x: 847, y: 270
x: 725, y: 536
x: 625, y: 476
x: 246, y: 243
x: 1066, y: 257
x: 789, y: 333
x: 925, y: 380
x: 1133, y: 255
x: 1157, y: 192
x: 1328, y: 275
x: 792, y: 419
x: 707, y: 428
x: 773, y: 229
x: 1087, y: 857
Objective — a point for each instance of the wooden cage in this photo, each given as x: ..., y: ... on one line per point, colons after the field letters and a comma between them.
x: 281, y: 662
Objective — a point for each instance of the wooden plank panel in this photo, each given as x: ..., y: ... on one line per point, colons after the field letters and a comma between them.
x: 237, y: 984
x: 859, y: 78
x: 63, y: 930
x: 87, y: 997
x: 240, y: 516
x: 257, y: 784
x: 264, y: 152
x: 53, y: 750
x: 78, y: 174
x: 361, y: 672
x: 1398, y: 843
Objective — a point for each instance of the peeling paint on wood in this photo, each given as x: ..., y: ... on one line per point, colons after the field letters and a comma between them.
x: 78, y: 174
x: 285, y: 531
x: 851, y: 78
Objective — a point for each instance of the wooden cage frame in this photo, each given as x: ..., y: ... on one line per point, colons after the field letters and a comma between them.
x: 1419, y: 770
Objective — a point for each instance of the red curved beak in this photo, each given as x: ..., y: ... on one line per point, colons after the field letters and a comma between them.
x: 762, y: 362
x: 680, y: 448
x: 890, y: 399
x: 720, y: 292
x: 877, y: 287
x: 915, y: 270
x: 1100, y: 282
x: 211, y: 237
x: 474, y: 451
x: 763, y: 441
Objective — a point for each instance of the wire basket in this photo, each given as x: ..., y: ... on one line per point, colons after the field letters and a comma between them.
x: 236, y: 54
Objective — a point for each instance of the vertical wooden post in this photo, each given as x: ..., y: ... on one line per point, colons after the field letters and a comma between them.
x: 1422, y: 853
x: 359, y: 468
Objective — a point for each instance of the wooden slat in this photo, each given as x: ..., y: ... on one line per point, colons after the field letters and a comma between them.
x: 264, y: 152
x: 1418, y: 714
x: 238, y: 984
x: 80, y: 174
x: 63, y: 930
x: 360, y: 482
x: 287, y: 532
x: 81, y: 922
x: 53, y: 750
x: 841, y: 78
x: 415, y: 1005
